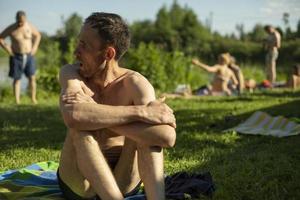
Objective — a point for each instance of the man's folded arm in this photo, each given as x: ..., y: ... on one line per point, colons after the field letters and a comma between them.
x: 162, y: 135
x: 91, y: 116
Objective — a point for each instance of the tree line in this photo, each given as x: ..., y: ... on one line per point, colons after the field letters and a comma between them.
x: 162, y: 49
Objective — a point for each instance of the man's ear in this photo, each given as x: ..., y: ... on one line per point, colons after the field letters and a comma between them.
x: 110, y: 53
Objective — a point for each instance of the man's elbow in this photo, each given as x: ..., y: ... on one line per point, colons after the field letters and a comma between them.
x: 69, y: 116
x: 38, y: 35
x: 1, y: 41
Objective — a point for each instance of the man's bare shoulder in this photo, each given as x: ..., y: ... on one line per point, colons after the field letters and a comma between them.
x: 135, y: 79
x: 69, y: 71
x: 33, y: 28
x: 139, y: 87
x: 8, y: 30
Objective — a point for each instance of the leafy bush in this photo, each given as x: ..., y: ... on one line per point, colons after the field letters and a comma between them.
x: 48, y: 62
x: 69, y: 54
x: 149, y: 61
x: 48, y: 79
x: 290, y: 52
x: 165, y: 70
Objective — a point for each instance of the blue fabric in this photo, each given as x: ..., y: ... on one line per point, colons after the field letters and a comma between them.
x: 16, y: 68
x: 38, y: 181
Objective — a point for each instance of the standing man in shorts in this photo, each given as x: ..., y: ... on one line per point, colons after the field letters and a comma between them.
x: 25, y: 39
x: 272, y: 44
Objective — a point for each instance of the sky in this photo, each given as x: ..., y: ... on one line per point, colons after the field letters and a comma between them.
x: 47, y: 15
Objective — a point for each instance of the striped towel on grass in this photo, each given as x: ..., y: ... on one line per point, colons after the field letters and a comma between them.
x: 260, y: 123
x: 35, y: 182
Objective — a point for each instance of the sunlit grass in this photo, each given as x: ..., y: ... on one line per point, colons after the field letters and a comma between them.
x: 242, y: 166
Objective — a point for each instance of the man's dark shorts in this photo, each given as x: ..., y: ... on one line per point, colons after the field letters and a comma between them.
x: 70, y: 195
x: 20, y: 63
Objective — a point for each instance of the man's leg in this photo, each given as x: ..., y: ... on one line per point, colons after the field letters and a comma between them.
x: 151, y: 168
x: 32, y: 85
x: 69, y: 172
x: 126, y: 171
x: 268, y: 67
x: 273, y: 71
x: 17, y: 89
x: 89, y: 162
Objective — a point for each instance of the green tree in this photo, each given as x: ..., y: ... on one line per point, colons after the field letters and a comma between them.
x: 142, y: 31
x: 71, y: 26
x: 241, y: 31
x: 69, y: 54
x: 48, y: 62
x: 67, y: 36
x: 257, y: 34
x: 298, y: 29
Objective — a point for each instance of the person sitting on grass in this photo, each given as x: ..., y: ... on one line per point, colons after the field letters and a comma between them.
x: 294, y: 79
x: 222, y: 75
x: 116, y: 128
x: 238, y: 74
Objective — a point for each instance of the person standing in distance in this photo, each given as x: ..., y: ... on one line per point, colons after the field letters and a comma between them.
x: 271, y: 45
x: 25, y: 39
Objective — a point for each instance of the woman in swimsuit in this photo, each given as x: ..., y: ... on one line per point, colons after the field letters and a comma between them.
x: 222, y: 75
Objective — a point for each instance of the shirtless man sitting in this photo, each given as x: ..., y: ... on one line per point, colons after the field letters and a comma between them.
x: 294, y: 78
x: 223, y: 75
x: 25, y: 40
x: 116, y: 128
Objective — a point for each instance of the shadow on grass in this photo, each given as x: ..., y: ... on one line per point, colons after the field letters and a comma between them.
x: 31, y: 126
x: 243, y: 166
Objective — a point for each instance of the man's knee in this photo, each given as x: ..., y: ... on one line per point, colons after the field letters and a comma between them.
x: 82, y: 136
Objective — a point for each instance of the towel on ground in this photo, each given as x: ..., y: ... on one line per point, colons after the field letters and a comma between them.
x: 39, y: 182
x: 34, y: 182
x: 261, y: 123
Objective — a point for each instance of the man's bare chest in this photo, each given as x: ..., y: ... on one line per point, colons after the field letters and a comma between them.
x: 116, y: 94
x: 22, y: 34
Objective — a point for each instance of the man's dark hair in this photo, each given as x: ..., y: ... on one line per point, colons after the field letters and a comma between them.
x: 112, y: 31
x: 19, y: 14
x: 267, y: 27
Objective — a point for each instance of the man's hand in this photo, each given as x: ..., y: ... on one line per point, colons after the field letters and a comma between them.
x: 33, y: 52
x: 6, y: 47
x: 79, y: 97
x: 157, y: 112
x: 84, y: 95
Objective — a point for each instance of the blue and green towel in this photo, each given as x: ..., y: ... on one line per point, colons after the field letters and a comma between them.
x: 34, y: 182
x: 39, y: 182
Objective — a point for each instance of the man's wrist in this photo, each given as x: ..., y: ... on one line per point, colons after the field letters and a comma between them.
x: 139, y: 112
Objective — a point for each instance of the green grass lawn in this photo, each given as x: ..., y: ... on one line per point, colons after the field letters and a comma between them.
x: 243, y: 167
